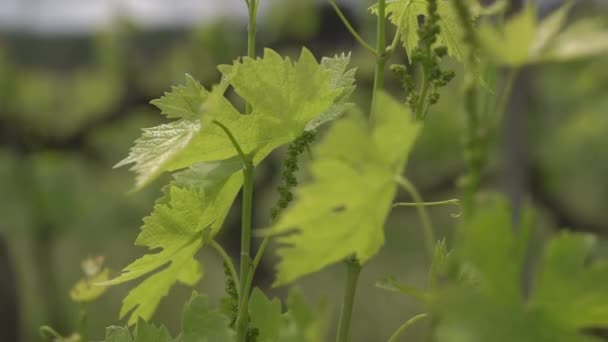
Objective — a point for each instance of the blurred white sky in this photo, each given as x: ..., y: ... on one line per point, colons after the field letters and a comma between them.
x: 82, y: 16
x: 72, y: 16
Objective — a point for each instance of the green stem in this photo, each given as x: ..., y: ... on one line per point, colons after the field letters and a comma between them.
x: 420, y: 107
x: 48, y: 332
x: 242, y: 321
x: 406, y: 326
x: 256, y: 261
x: 429, y: 235
x: 381, y: 56
x: 426, y: 204
x: 84, y: 331
x: 350, y: 27
x: 251, y: 36
x: 228, y: 262
x: 235, y: 143
x: 501, y: 104
x: 455, y: 202
x: 352, y: 276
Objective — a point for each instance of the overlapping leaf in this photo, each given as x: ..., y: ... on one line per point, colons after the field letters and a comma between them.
x: 287, y: 97
x: 351, y: 195
x: 201, y: 323
x: 523, y: 39
x: 144, y: 332
x: 405, y: 15
x: 307, y: 94
x: 299, y: 324
x: 568, y: 294
x: 194, y: 207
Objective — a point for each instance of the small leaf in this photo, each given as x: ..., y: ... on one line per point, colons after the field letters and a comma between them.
x: 265, y: 316
x: 175, y: 226
x: 184, y: 101
x: 203, y: 324
x: 118, y: 334
x: 404, y: 14
x: 146, y: 332
x: 583, y: 39
x: 302, y: 323
x: 512, y: 43
x: 86, y: 289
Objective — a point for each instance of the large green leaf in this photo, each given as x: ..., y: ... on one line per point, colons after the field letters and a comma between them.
x: 176, y: 226
x: 192, y: 211
x: 567, y: 296
x: 351, y: 195
x: 287, y: 98
x: 405, y: 15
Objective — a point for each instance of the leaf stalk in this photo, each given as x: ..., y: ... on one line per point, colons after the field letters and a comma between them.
x: 353, y: 269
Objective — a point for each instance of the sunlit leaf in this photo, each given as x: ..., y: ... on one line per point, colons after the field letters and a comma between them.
x: 351, y: 194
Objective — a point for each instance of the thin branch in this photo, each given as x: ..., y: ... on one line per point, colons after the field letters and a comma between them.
x: 429, y: 235
x: 350, y: 27
x: 235, y: 143
x: 406, y: 326
x: 228, y: 262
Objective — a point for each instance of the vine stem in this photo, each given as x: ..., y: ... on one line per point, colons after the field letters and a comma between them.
x: 501, y: 104
x: 242, y: 318
x: 353, y: 269
x: 84, y: 319
x: 350, y: 27
x: 251, y: 36
x: 228, y: 262
x: 429, y: 235
x: 381, y: 56
x: 406, y: 326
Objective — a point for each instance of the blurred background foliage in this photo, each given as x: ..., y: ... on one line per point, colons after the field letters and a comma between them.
x: 71, y: 105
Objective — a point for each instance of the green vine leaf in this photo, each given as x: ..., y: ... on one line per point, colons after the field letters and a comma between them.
x: 523, y: 39
x: 303, y: 323
x: 201, y: 323
x: 146, y: 332
x: 265, y: 316
x: 184, y: 101
x: 568, y: 294
x: 176, y: 226
x: 404, y: 15
x: 118, y: 334
x: 287, y: 98
x: 192, y: 211
x: 351, y: 195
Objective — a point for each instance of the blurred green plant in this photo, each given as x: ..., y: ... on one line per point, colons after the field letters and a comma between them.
x: 212, y: 149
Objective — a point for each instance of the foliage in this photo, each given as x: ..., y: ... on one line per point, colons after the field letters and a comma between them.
x: 566, y: 295
x: 212, y: 148
x: 331, y: 209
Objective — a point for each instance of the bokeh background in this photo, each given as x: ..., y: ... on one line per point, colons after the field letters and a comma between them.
x: 76, y: 78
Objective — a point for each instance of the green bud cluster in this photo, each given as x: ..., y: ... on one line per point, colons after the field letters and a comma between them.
x: 464, y: 15
x: 230, y: 303
x: 428, y: 56
x: 288, y: 174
